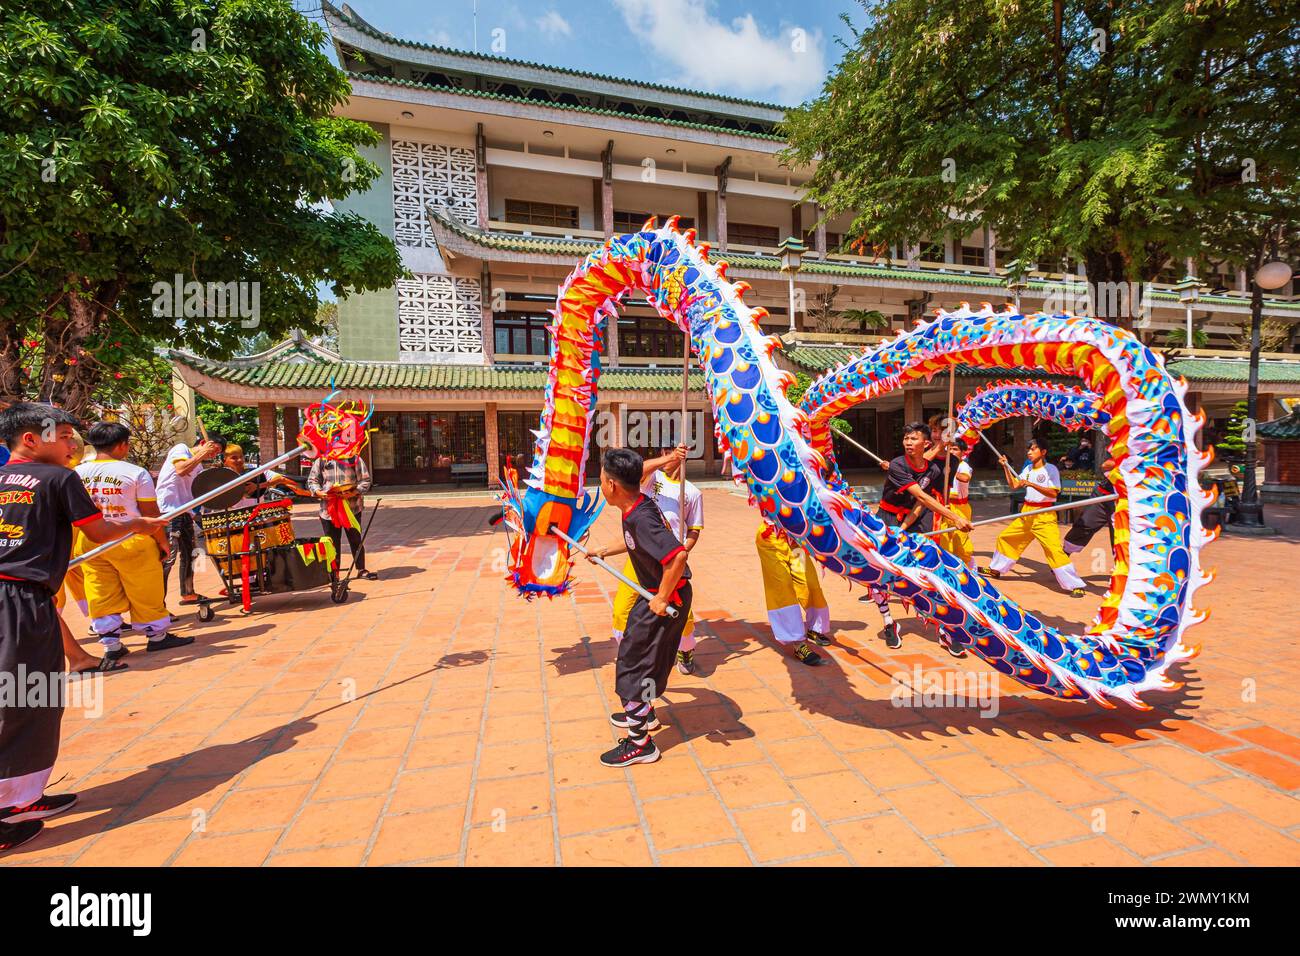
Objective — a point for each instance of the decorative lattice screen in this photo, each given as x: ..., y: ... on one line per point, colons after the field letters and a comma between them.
x: 429, y: 173
x: 439, y: 316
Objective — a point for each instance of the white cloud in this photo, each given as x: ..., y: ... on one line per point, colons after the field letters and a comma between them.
x: 553, y: 25
x: 736, y: 58
x: 438, y: 37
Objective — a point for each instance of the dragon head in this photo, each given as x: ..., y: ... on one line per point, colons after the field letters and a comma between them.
x: 540, y: 560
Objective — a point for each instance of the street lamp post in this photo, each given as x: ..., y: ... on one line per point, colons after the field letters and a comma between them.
x: 1189, y: 293
x: 792, y: 251
x: 1250, y: 513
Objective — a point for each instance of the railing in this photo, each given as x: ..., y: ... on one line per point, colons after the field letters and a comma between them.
x: 557, y: 232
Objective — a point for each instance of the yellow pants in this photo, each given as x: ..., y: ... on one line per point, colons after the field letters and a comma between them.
x: 626, y: 597
x: 957, y: 542
x: 795, y: 603
x: 127, y: 579
x: 1025, y: 530
x: 73, y: 585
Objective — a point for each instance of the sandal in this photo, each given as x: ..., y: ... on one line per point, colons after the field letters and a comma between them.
x: 106, y: 665
x: 368, y: 575
x: 199, y: 599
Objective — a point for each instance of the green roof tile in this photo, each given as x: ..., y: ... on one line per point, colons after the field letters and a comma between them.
x: 312, y: 372
x: 1281, y: 429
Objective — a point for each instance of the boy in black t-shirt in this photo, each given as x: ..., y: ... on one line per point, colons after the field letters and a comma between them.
x: 41, y: 499
x: 908, y: 500
x: 649, y: 646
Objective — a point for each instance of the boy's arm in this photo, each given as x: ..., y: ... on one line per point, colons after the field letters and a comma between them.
x: 102, y: 530
x: 673, y: 571
x: 650, y: 466
x: 692, y: 538
x: 959, y: 521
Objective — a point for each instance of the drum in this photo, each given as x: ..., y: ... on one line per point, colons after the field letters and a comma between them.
x: 223, y: 532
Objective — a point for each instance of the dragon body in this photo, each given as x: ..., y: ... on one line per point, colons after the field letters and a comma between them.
x: 783, y: 451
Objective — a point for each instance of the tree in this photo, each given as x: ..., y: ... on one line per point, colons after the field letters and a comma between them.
x: 234, y: 423
x: 1071, y: 127
x: 1175, y: 338
x: 1233, y: 442
x: 163, y: 175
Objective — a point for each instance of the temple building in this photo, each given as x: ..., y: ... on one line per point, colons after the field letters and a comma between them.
x: 499, y: 176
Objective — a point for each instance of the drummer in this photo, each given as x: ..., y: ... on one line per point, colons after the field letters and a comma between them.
x: 258, y: 486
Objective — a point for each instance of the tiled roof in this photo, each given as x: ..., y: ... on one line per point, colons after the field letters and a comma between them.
x: 367, y: 29
x: 308, y: 371
x: 571, y: 107
x: 812, y: 265
x: 819, y: 358
x: 1281, y: 429
x: 1235, y: 370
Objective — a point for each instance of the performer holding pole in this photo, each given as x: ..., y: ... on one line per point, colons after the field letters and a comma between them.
x: 1042, y: 483
x: 662, y: 481
x: 41, y: 501
x: 907, y: 500
x: 652, y: 636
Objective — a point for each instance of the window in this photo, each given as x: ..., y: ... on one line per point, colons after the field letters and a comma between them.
x: 833, y: 240
x: 750, y: 234
x: 932, y: 252
x: 973, y: 256
x: 541, y: 214
x: 625, y: 221
x: 521, y: 333
x: 648, y: 336
x: 422, y: 446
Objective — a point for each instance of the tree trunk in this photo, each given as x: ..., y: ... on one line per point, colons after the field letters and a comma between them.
x: 71, y: 323
x: 1107, y: 285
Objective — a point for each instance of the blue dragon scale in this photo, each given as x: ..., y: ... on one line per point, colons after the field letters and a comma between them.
x: 783, y: 450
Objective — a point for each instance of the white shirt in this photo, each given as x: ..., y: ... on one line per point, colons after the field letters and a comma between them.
x: 667, y: 495
x: 174, y: 489
x: 1044, y: 474
x: 117, y: 487
x: 250, y: 502
x: 961, y: 479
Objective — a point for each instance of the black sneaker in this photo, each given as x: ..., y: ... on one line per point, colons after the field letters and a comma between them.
x: 622, y: 721
x: 628, y: 753
x: 1078, y: 593
x: 14, y: 835
x: 892, y: 640
x: 117, y: 653
x: 686, y: 662
x: 953, y: 649
x: 818, y: 638
x: 49, y: 805
x: 806, y: 655
x: 168, y: 642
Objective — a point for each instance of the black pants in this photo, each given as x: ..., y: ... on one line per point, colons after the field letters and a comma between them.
x: 335, y: 534
x: 1091, y: 520
x: 31, y: 643
x: 180, y: 542
x: 649, y: 648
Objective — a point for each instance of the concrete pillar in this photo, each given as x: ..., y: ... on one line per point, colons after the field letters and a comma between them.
x: 1266, y: 408
x: 486, y: 299
x: 611, y: 341
x: 480, y: 176
x: 819, y: 238
x: 1022, y: 429
x: 289, y: 416
x: 266, y: 445
x: 991, y: 250
x: 720, y: 226
x: 912, y: 406
x: 607, y: 190
x: 492, y: 442
x: 618, y: 410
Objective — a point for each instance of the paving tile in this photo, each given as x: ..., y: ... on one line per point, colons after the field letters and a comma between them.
x: 775, y: 833
x: 988, y: 847
x: 884, y: 840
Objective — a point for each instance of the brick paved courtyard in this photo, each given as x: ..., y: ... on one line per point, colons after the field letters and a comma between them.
x: 437, y: 718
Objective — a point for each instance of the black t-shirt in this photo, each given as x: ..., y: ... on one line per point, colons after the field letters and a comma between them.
x: 39, y: 504
x: 895, y: 496
x: 650, y: 543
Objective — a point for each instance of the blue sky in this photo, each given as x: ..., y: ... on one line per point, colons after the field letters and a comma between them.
x: 761, y: 49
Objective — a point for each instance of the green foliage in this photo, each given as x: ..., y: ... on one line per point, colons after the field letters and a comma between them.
x: 234, y: 423
x: 1111, y: 131
x: 149, y: 139
x: 1233, y: 443
x: 1178, y: 337
x: 802, y: 382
